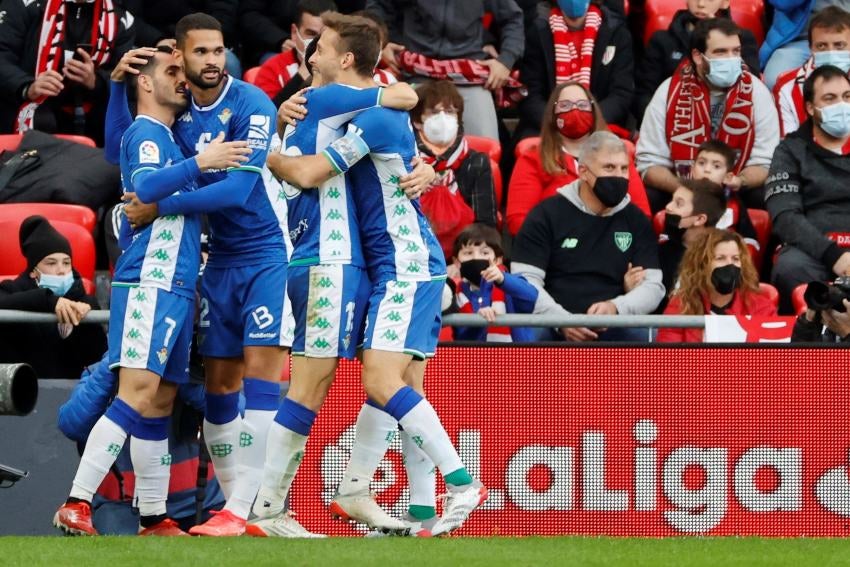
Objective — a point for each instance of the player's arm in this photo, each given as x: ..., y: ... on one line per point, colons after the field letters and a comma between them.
x: 400, y: 96
x: 228, y: 193
x: 306, y: 172
x: 118, y: 119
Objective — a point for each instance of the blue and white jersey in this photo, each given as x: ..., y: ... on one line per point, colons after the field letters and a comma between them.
x: 397, y: 240
x: 252, y: 234
x: 165, y: 254
x: 322, y: 224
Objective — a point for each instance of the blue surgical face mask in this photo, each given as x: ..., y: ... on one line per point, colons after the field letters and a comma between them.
x: 723, y: 72
x: 840, y: 59
x: 835, y: 119
x: 574, y: 8
x: 59, y: 285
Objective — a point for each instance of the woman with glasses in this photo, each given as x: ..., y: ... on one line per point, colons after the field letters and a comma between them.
x: 572, y: 115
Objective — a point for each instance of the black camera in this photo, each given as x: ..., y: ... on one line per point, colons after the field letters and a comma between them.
x: 820, y: 296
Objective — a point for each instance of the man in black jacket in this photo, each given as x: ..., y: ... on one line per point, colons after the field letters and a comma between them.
x: 611, y: 67
x: 62, y: 88
x: 807, y: 195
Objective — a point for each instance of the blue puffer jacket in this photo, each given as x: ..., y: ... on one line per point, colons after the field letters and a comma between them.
x: 789, y: 20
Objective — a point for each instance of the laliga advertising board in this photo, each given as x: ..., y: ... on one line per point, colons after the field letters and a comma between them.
x: 622, y: 441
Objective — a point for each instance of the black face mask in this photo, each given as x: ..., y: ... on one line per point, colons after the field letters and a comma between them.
x: 725, y: 279
x: 470, y: 270
x: 671, y: 227
x: 610, y: 189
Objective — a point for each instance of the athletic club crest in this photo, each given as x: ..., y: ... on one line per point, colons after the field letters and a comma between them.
x: 623, y: 240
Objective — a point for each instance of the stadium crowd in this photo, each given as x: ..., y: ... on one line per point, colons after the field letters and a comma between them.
x: 571, y: 156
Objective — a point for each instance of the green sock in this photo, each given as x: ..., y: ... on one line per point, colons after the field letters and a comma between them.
x: 458, y: 478
x: 421, y: 512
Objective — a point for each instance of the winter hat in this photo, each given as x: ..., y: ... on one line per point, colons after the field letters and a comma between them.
x: 39, y: 240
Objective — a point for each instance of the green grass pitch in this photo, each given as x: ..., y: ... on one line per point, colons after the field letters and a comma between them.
x: 408, y: 552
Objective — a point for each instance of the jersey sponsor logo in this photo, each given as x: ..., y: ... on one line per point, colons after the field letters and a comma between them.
x: 258, y: 132
x: 148, y: 152
x: 225, y: 115
x: 569, y: 243
x: 262, y: 317
x: 623, y: 240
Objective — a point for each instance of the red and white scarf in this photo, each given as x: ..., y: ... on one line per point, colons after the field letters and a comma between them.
x: 497, y: 302
x: 797, y: 89
x: 572, y: 45
x: 446, y: 165
x: 688, y: 122
x: 463, y: 72
x: 51, y: 45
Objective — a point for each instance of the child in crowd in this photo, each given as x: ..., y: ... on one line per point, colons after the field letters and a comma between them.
x: 486, y: 288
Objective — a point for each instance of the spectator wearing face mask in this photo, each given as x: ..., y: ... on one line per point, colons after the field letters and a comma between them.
x: 717, y: 276
x: 462, y: 192
x: 572, y: 116
x: 49, y: 285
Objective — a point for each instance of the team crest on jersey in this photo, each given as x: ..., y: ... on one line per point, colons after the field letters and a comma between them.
x: 225, y: 115
x: 148, y: 152
x: 623, y: 240
x: 162, y: 355
x: 258, y: 132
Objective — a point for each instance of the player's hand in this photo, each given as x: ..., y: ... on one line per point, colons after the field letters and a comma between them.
x: 48, y: 83
x: 493, y: 274
x: 417, y: 181
x: 138, y: 56
x: 66, y: 311
x: 735, y: 183
x: 842, y: 266
x: 498, y: 74
x: 138, y: 214
x: 223, y: 155
x: 81, y: 72
x: 602, y: 308
x: 633, y: 278
x: 291, y: 111
x: 838, y: 323
x: 488, y: 313
x: 491, y: 50
x: 388, y: 56
x: 287, y: 45
x: 579, y: 334
x: 452, y: 272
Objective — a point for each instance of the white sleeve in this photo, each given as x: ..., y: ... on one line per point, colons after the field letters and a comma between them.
x: 766, y: 125
x: 652, y: 148
x: 787, y: 109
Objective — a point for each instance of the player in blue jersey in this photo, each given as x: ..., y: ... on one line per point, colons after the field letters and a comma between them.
x: 407, y: 269
x: 327, y: 284
x: 152, y: 306
x: 245, y: 327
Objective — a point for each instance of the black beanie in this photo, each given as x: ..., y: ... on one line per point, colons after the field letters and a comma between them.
x: 39, y: 240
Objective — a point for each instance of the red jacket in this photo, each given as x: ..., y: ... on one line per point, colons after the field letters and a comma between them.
x: 276, y: 72
x: 759, y: 306
x: 530, y: 184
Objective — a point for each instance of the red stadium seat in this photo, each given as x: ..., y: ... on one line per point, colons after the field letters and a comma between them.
x: 771, y: 292
x: 497, y: 183
x: 250, y: 75
x: 797, y: 299
x: 12, y: 260
x: 762, y: 226
x: 486, y: 146
x: 83, y: 140
x: 10, y: 141
x: 75, y: 214
x: 748, y: 14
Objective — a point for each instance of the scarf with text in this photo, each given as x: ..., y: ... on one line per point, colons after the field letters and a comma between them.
x: 488, y: 295
x: 576, y: 45
x: 688, y: 122
x: 51, y: 46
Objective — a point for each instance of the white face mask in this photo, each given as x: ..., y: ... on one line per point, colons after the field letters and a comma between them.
x: 440, y: 128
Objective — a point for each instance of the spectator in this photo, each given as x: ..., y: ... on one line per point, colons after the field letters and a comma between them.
x: 49, y: 285
x: 291, y: 64
x: 576, y: 246
x: 709, y: 96
x: 807, y: 196
x: 462, y: 192
x: 581, y: 42
x: 426, y: 34
x: 55, y: 58
x: 572, y: 116
x: 667, y: 48
x: 827, y: 326
x: 487, y: 288
x: 829, y: 43
x: 156, y: 20
x: 717, y: 276
x: 695, y: 208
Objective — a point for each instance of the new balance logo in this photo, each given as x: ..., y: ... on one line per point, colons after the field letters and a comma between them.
x: 221, y: 449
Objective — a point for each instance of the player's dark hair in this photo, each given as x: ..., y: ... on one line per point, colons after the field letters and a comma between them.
x: 708, y: 199
x: 721, y: 148
x: 193, y: 22
x: 314, y: 8
x: 703, y: 28
x: 379, y: 23
x: 831, y: 18
x: 825, y: 72
x: 149, y: 66
x: 359, y: 36
x: 478, y: 233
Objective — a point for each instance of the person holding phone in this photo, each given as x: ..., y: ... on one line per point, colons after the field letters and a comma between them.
x: 55, y: 58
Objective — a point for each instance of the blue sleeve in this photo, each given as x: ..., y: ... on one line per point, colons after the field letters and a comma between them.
x: 144, y: 151
x: 336, y: 99
x: 254, y: 123
x: 88, y: 400
x: 232, y: 191
x: 125, y: 233
x: 363, y: 136
x: 118, y: 119
x: 524, y: 294
x: 152, y: 186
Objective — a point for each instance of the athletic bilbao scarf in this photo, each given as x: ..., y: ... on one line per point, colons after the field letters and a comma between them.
x: 689, y: 117
x: 568, y: 43
x: 488, y: 296
x: 51, y: 46
x: 463, y: 72
x: 446, y: 164
x: 797, y: 89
